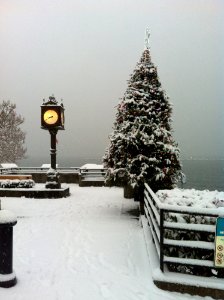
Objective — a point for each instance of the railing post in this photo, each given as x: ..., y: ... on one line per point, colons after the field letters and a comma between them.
x: 161, y: 239
x: 139, y: 196
x: 142, y: 201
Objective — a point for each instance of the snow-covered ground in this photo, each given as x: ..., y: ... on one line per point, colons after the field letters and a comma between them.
x: 87, y: 246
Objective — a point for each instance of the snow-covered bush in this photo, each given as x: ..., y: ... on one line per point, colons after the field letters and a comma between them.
x: 16, y: 183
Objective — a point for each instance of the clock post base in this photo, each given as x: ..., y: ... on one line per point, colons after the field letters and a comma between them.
x: 52, y: 180
x: 53, y: 185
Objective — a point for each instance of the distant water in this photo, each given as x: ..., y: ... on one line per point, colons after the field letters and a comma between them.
x: 204, y: 174
x: 61, y: 161
x: 201, y: 174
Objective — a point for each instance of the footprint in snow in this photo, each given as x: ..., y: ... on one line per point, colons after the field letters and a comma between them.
x: 104, y: 290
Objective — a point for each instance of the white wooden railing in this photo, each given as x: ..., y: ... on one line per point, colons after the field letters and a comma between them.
x: 156, y: 212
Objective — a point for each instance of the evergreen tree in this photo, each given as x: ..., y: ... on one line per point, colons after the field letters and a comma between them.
x: 142, y: 148
x: 12, y: 138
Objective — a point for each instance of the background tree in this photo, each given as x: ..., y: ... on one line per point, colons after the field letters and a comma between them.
x: 12, y: 138
x: 142, y: 148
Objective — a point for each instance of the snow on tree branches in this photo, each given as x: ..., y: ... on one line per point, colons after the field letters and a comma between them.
x: 12, y: 138
x: 141, y: 147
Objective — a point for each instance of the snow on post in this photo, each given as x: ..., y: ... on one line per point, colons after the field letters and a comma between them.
x: 7, y: 221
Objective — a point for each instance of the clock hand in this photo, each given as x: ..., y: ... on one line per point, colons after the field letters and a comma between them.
x: 48, y: 118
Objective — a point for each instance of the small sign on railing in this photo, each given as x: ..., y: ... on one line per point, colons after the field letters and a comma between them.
x: 219, y: 243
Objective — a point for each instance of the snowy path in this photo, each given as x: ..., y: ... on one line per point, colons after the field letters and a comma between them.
x: 87, y: 246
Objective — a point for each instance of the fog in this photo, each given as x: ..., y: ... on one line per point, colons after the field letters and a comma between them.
x: 84, y: 52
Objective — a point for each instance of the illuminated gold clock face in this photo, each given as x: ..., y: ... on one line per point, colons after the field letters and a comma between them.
x: 50, y: 117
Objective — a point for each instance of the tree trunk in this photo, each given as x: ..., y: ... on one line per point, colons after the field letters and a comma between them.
x: 128, y: 191
x: 139, y: 193
x: 139, y: 196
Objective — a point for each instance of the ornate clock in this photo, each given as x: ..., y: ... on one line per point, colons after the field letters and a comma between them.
x: 52, y: 115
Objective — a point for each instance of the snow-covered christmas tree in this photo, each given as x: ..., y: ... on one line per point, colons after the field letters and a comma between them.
x: 142, y: 148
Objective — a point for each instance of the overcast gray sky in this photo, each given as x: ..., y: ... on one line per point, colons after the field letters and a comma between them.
x: 84, y: 52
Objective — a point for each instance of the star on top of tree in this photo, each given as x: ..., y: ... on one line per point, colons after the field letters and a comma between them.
x: 147, y: 36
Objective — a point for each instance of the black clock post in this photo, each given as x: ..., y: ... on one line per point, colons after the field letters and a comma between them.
x: 53, y: 133
x: 52, y: 119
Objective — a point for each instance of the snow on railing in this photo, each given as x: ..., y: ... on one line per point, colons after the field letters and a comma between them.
x: 22, y: 170
x: 184, y: 209
x: 86, y: 175
x: 175, y: 242
x: 92, y: 172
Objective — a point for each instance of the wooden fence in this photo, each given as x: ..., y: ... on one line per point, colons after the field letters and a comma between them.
x: 83, y: 176
x: 91, y: 177
x: 174, y: 238
x: 25, y: 170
